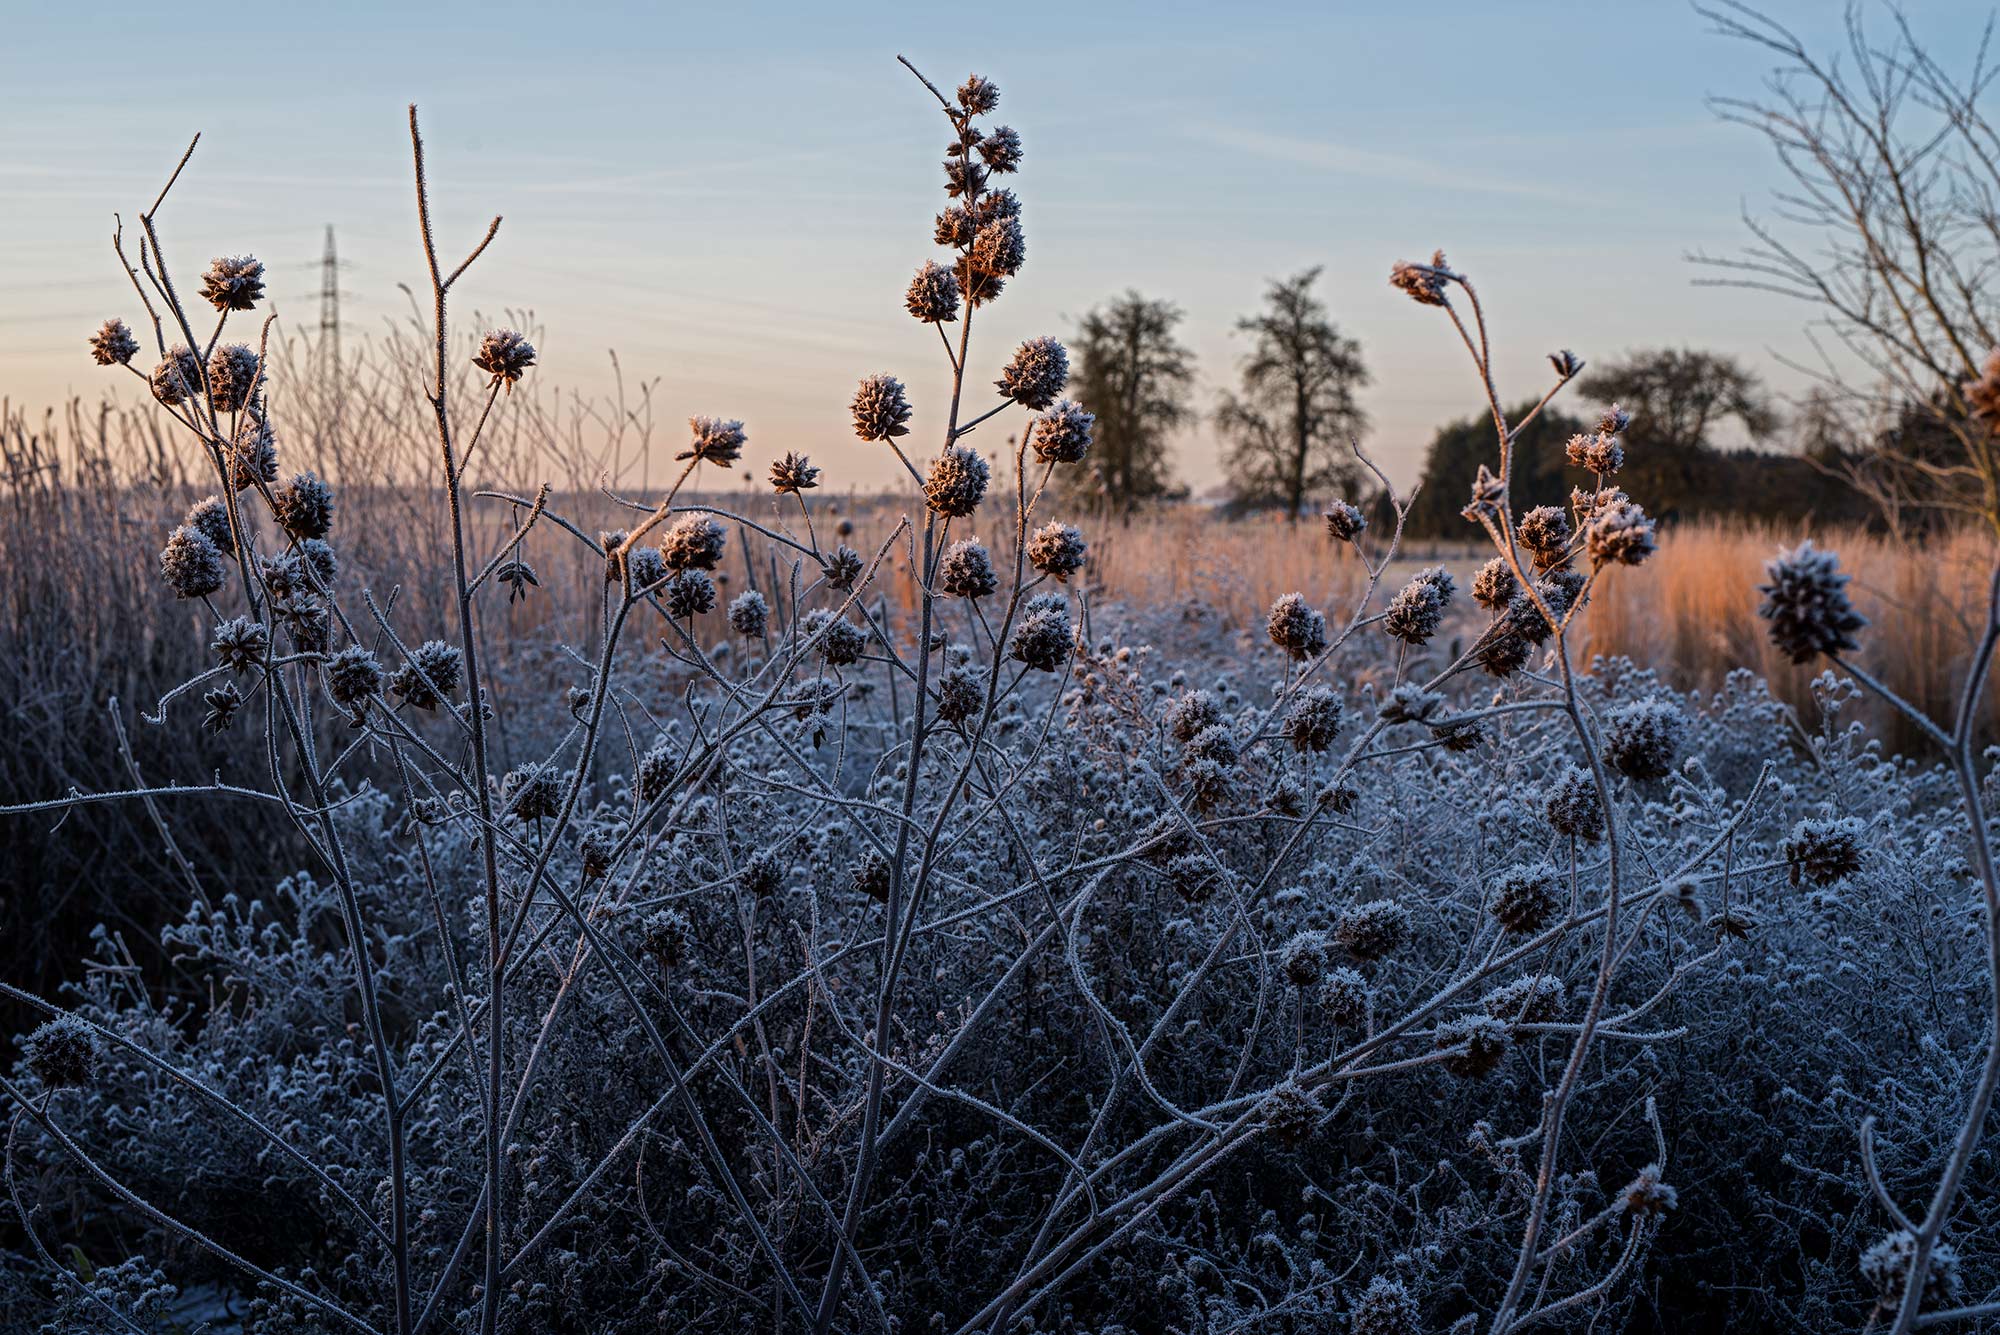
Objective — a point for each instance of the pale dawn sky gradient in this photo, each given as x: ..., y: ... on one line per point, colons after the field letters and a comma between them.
x: 733, y: 196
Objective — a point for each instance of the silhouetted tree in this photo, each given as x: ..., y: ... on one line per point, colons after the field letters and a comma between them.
x: 1286, y: 433
x: 1134, y: 374
x: 1679, y: 399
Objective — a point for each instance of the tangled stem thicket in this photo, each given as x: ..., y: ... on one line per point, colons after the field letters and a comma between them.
x: 820, y: 966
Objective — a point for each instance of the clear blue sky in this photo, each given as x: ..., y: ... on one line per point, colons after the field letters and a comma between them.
x: 733, y: 196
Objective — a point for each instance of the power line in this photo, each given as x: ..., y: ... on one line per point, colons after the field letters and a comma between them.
x: 329, y: 299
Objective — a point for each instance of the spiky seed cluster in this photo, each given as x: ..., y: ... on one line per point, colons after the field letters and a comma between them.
x: 1418, y: 608
x: 933, y: 294
x: 1314, y: 719
x: 1571, y: 805
x: 1035, y: 374
x: 1423, y: 283
x: 793, y: 474
x: 881, y: 409
x: 1524, y: 897
x: 1620, y: 533
x: 644, y: 566
x: 693, y: 542
x: 506, y: 356
x: 689, y: 594
x: 597, y: 848
x: 1189, y: 714
x: 233, y: 282
x: 761, y: 875
x: 1344, y: 997
x: 664, y: 936
x: 842, y: 568
x: 1063, y: 434
x: 978, y: 95
x: 843, y: 640
x: 1290, y: 1112
x: 1806, y: 604
x: 178, y: 378
x: 1495, y: 586
x: 1566, y: 363
x: 1596, y: 452
x: 1344, y: 523
x: 956, y: 482
x: 656, y: 771
x: 966, y: 571
x: 192, y: 566
x: 1296, y: 627
x: 303, y: 507
x: 960, y: 695
x: 211, y: 516
x: 239, y: 643
x: 113, y: 345
x: 318, y: 563
x: 431, y: 674
x: 62, y: 1052
x: 232, y: 377
x: 531, y: 792
x: 1303, y: 959
x: 750, y: 614
x: 1058, y: 550
x: 222, y: 702
x: 1822, y: 851
x: 1385, y: 1308
x: 306, y: 620
x: 353, y: 676
x: 1215, y: 743
x: 1001, y: 150
x: 1044, y: 637
x: 714, y: 440
x: 1642, y: 738
x: 1647, y: 1196
x: 999, y: 249
x: 1888, y: 1263
x: 1410, y: 703
x: 1545, y: 532
x: 1533, y: 999
x: 1370, y: 931
x: 1477, y: 1044
x: 253, y: 456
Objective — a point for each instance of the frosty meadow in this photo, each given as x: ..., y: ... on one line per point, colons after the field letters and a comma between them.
x: 714, y: 907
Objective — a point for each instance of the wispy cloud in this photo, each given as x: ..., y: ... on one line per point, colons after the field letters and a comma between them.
x: 1403, y: 169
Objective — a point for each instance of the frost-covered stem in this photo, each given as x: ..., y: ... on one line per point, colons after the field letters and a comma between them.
x: 475, y: 707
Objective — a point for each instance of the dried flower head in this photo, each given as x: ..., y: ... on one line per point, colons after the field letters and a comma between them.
x: 1477, y: 1044
x: 62, y: 1052
x: 504, y: 355
x: 1545, y: 532
x: 353, y: 678
x: 1371, y: 930
x: 1595, y: 452
x: 211, y: 517
x: 1495, y: 586
x: 1423, y: 283
x: 714, y: 440
x: 1035, y: 374
x: 1290, y: 1112
x: 881, y: 410
x: 1620, y: 533
x: 1385, y: 1308
x: 531, y: 792
x: 793, y: 474
x: 1534, y: 998
x: 978, y: 96
x: 966, y: 571
x: 750, y: 614
x: 1642, y: 738
x: 1057, y: 549
x: 693, y: 542
x: 1344, y: 996
x: 222, y: 702
x: 1001, y: 150
x: 689, y: 594
x: 233, y: 282
x: 113, y: 344
x: 1190, y: 713
x: 430, y: 676
x: 1822, y: 851
x: 1646, y: 1196
x: 1062, y: 435
x: 1303, y: 958
x: 960, y: 694
x: 1888, y: 1263
x: 253, y: 456
x: 871, y: 876
x: 1344, y: 523
x: 1314, y: 719
x: 1806, y: 604
x: 956, y: 482
x: 842, y: 568
x: 999, y: 249
x: 1571, y: 805
x: 239, y: 643
x: 1418, y: 608
x: 192, y: 566
x: 840, y: 641
x: 645, y: 567
x: 178, y: 378
x: 664, y: 936
x: 233, y: 372
x: 1044, y: 637
x: 1566, y: 363
x: 933, y: 294
x: 303, y: 507
x: 1296, y: 627
x: 1524, y: 897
